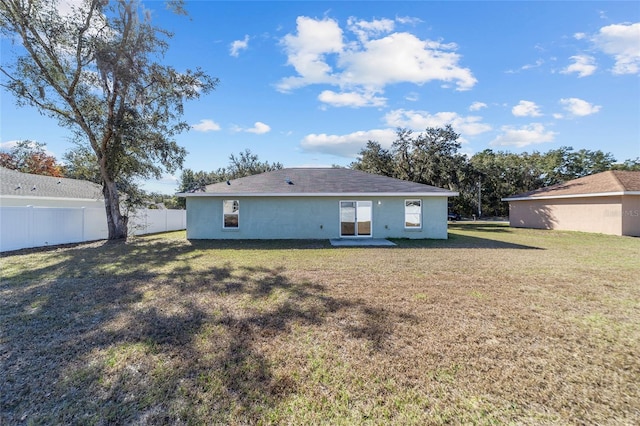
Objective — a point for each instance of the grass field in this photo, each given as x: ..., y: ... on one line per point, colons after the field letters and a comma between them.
x: 493, y: 326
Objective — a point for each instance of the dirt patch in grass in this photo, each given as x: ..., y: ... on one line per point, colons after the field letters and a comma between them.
x: 494, y: 325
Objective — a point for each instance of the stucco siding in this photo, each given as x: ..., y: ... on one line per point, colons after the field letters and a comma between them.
x: 309, y: 218
x: 201, y: 215
x: 631, y: 215
x: 586, y: 214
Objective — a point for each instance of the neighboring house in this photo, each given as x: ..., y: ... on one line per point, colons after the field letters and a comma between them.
x: 24, y: 189
x: 317, y: 203
x: 607, y: 203
x: 38, y: 211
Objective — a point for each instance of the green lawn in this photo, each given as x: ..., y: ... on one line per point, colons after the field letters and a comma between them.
x: 495, y: 325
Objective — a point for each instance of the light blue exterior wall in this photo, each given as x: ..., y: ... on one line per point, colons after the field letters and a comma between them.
x: 309, y: 218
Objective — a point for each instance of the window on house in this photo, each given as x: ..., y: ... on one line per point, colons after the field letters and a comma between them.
x: 412, y: 214
x: 230, y: 212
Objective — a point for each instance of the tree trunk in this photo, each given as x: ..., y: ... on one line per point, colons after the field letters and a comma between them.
x: 116, y: 222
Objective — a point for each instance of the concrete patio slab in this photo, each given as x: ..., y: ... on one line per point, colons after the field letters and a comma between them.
x: 365, y: 242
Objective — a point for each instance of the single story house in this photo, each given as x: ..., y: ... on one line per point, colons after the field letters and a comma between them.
x: 317, y: 203
x: 19, y: 189
x: 606, y: 203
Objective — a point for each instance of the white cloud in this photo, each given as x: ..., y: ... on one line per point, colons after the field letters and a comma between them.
x: 579, y: 36
x: 526, y: 109
x: 66, y: 7
x: 412, y: 97
x: 167, y: 184
x: 538, y: 63
x: 366, y: 29
x: 239, y: 45
x: 402, y: 57
x: 259, y: 128
x: 622, y: 41
x: 306, y: 51
x: 320, y: 53
x: 584, y: 65
x: 347, y: 145
x: 534, y: 133
x: 8, y: 145
x: 420, y: 120
x: 579, y: 107
x: 168, y: 179
x: 477, y: 106
x: 350, y: 99
x: 408, y: 20
x: 525, y: 67
x: 74, y: 11
x: 206, y: 125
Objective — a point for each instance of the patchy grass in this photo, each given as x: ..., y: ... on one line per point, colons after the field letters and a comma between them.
x: 494, y: 325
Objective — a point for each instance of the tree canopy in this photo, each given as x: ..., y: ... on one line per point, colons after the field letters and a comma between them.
x: 97, y: 68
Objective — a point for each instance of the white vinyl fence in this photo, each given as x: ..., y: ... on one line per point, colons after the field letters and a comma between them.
x: 25, y: 227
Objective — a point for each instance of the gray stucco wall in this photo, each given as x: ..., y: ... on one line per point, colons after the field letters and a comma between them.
x: 309, y: 218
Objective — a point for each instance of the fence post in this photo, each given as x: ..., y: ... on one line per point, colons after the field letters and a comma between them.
x: 30, y: 237
x: 84, y: 212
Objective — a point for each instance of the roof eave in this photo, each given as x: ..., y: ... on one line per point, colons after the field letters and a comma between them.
x: 32, y: 197
x: 319, y: 194
x: 552, y: 197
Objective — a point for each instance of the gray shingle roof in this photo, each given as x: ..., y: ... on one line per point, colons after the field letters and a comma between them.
x: 14, y: 183
x: 318, y: 181
x: 613, y: 181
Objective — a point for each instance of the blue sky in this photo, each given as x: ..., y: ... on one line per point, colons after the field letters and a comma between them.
x: 309, y: 83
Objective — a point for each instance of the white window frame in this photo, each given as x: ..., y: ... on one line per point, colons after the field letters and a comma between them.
x: 413, y: 200
x: 236, y: 213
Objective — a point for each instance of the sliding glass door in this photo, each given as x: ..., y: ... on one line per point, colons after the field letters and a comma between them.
x: 355, y: 218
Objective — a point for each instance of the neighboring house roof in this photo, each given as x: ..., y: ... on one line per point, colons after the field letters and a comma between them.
x: 318, y: 182
x: 613, y: 182
x: 18, y: 184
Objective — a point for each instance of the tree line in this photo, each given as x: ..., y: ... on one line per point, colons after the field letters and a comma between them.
x: 433, y: 157
x: 244, y: 164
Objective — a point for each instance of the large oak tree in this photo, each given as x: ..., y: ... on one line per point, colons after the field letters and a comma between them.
x: 96, y: 66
